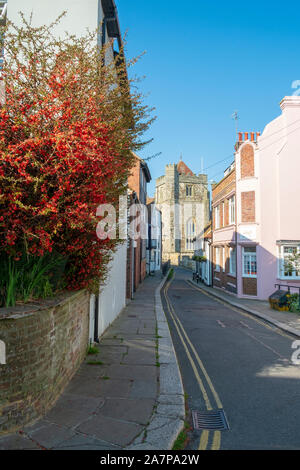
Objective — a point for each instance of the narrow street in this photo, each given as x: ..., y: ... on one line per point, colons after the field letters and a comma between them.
x: 232, y: 361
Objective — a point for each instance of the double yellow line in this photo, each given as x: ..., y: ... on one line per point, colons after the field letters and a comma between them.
x: 186, y: 342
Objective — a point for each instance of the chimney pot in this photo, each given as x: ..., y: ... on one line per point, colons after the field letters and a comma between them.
x: 257, y: 135
x: 252, y: 136
x: 240, y: 137
x: 246, y: 136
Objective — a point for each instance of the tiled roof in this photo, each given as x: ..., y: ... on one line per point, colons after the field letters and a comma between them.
x: 183, y: 169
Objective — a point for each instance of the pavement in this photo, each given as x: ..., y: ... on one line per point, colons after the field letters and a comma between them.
x: 129, y: 395
x: 286, y: 321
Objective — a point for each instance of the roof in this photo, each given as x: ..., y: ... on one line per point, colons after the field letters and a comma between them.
x: 207, y: 231
x: 144, y: 167
x: 112, y: 20
x: 183, y: 169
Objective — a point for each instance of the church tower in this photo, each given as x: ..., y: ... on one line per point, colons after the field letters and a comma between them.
x: 183, y: 199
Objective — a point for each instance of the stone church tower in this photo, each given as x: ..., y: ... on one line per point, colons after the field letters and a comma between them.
x: 183, y: 199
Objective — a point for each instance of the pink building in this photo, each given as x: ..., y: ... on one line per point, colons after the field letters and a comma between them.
x: 267, y: 203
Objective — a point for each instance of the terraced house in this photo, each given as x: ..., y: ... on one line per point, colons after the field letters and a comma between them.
x: 255, y: 227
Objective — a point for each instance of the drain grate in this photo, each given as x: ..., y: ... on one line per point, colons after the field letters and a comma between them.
x: 215, y: 420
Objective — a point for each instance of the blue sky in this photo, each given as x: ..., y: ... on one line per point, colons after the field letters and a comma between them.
x: 203, y: 61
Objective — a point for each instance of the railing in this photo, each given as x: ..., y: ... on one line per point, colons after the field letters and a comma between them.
x: 288, y: 287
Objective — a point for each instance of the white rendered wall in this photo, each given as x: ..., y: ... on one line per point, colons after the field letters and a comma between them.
x: 80, y: 14
x: 112, y: 298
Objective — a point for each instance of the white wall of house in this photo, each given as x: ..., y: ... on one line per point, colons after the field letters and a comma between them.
x: 80, y: 14
x: 112, y: 296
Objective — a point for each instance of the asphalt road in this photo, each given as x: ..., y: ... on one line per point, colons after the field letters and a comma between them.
x: 232, y: 361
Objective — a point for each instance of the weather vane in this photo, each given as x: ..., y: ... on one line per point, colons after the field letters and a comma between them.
x: 235, y: 117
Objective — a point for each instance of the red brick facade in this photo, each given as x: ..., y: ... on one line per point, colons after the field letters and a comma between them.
x: 248, y: 206
x: 222, y: 193
x: 247, y: 161
x: 249, y: 286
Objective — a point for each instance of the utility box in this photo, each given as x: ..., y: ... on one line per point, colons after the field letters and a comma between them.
x: 279, y: 300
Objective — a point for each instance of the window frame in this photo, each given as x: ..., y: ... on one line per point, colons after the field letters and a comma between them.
x: 281, y: 256
x: 217, y: 259
x: 232, y: 250
x: 217, y: 216
x: 188, y: 190
x: 251, y: 255
x: 232, y: 208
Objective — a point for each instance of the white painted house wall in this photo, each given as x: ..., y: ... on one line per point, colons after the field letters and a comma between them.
x: 112, y: 298
x: 80, y: 14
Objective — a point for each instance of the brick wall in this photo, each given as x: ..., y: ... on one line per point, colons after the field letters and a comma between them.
x: 249, y: 286
x: 247, y: 161
x: 44, y: 348
x: 248, y: 206
x: 220, y: 193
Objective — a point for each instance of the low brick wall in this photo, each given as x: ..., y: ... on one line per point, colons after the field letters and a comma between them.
x: 45, y: 345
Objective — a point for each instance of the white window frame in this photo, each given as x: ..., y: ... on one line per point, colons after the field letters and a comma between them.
x: 217, y: 216
x: 223, y: 214
x: 232, y: 210
x: 217, y: 260
x: 232, y: 256
x: 281, y: 271
x: 253, y: 258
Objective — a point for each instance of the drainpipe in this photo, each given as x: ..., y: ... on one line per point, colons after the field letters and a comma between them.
x: 96, y: 338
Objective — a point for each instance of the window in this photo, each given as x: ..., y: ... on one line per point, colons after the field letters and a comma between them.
x: 217, y: 259
x: 249, y: 262
x: 189, y: 190
x: 223, y: 214
x: 232, y: 210
x: 217, y: 217
x: 289, y: 261
x: 190, y: 235
x: 232, y: 261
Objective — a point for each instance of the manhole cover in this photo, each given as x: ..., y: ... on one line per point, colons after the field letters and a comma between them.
x: 215, y: 420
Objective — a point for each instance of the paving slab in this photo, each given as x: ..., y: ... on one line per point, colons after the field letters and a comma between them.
x: 63, y: 412
x: 80, y: 441
x: 129, y: 409
x: 111, y: 430
x: 138, y: 372
x: 17, y: 442
x: 48, y: 435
